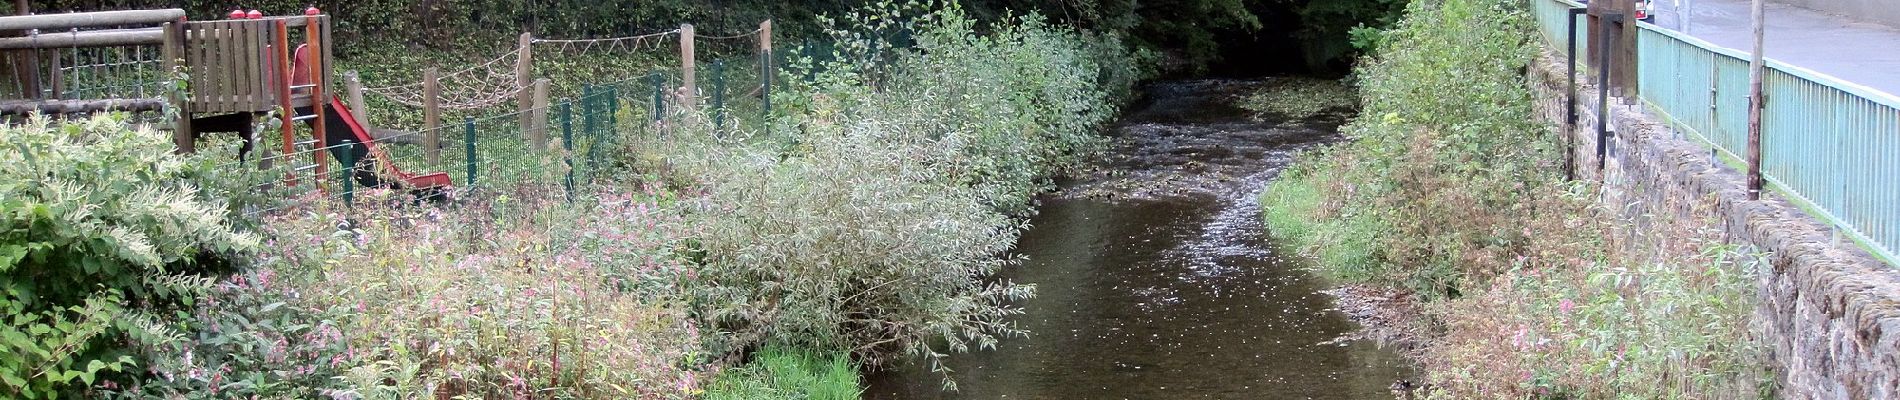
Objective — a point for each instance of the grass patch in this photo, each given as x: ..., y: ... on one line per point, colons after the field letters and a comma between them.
x: 785, y: 374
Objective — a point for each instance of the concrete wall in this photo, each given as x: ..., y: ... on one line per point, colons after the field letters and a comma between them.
x: 1885, y: 12
x: 1831, y: 312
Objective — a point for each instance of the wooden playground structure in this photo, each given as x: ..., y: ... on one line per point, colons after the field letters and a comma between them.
x: 234, y: 73
x: 250, y: 71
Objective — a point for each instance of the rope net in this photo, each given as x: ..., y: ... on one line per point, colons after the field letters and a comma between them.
x: 481, y: 86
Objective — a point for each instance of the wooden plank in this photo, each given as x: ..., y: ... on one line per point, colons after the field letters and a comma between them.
x: 195, y: 59
x: 227, y: 66
x: 103, y: 38
x: 61, y: 22
x: 242, y: 71
x: 261, y: 96
x: 329, y: 48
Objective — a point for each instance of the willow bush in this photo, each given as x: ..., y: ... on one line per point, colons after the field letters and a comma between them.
x: 872, y: 213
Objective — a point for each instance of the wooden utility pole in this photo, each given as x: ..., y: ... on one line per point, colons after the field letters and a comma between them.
x: 1756, y: 69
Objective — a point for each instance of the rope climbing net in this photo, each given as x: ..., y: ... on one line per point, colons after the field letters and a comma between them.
x: 480, y: 86
x: 651, y: 41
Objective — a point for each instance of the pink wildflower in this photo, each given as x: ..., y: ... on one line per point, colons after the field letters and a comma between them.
x: 1566, y: 306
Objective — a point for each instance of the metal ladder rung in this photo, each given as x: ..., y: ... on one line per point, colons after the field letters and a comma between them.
x: 305, y: 168
x: 306, y: 117
x: 295, y: 87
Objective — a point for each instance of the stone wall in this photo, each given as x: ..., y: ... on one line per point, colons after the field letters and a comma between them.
x: 1831, y: 312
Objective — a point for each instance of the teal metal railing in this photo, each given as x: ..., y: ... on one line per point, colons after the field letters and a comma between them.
x: 1830, y: 146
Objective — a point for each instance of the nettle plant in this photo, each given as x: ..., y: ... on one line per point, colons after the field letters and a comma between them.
x: 105, y: 228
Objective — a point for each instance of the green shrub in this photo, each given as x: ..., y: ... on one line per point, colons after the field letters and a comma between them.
x: 105, y: 229
x: 1451, y: 190
x: 1446, y: 151
x: 252, y: 337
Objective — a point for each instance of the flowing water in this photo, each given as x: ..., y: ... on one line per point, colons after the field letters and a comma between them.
x: 1156, y: 280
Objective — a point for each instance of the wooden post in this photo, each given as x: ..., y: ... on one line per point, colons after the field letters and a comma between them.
x: 688, y: 64
x: 313, y: 38
x: 524, y: 76
x: 353, y: 87
x: 765, y: 66
x: 1756, y: 69
x: 173, y: 50
x: 288, y: 122
x: 432, y: 115
x: 58, y: 81
x: 540, y: 111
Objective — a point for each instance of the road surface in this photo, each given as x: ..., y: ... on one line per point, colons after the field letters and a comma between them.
x: 1863, y: 53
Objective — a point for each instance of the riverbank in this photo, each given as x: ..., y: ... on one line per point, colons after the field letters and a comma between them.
x: 1452, y: 191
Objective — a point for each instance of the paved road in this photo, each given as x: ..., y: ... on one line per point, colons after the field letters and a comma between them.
x: 1859, y: 52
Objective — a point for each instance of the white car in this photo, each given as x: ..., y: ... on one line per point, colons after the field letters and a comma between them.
x: 1645, y: 10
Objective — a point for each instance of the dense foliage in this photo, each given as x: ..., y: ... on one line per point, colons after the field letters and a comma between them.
x: 1194, y: 34
x: 106, y: 232
x: 1453, y: 190
x: 871, y: 215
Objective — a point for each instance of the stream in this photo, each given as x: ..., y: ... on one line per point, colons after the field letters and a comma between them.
x: 1156, y: 280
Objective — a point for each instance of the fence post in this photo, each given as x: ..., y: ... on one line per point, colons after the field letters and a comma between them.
x: 719, y: 95
x: 659, y: 93
x: 173, y: 50
x: 1603, y: 95
x: 589, y: 106
x: 432, y: 115
x: 688, y: 64
x: 348, y: 157
x: 765, y: 67
x: 468, y: 142
x: 1755, y: 72
x: 353, y: 87
x: 539, y: 132
x: 567, y: 143
x: 524, y: 73
x: 1570, y: 113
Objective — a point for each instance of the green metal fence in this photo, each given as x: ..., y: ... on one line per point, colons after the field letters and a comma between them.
x: 492, y: 155
x: 1831, y: 146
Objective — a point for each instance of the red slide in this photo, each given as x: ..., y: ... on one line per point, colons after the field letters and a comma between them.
x: 411, y: 181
